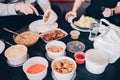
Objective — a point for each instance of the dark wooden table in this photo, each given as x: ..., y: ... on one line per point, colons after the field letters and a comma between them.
x: 16, y: 73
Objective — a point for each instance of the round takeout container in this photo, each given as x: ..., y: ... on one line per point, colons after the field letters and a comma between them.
x: 32, y: 61
x: 16, y: 55
x: 26, y: 37
x: 79, y: 57
x: 96, y: 61
x: 54, y: 55
x: 74, y: 34
x: 60, y: 76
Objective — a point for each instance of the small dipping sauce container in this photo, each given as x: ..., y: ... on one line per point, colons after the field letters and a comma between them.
x: 79, y: 57
x: 74, y: 34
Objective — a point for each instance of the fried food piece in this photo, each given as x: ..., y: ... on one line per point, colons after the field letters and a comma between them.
x: 47, y: 16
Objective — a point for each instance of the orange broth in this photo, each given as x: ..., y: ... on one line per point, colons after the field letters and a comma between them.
x: 36, y: 68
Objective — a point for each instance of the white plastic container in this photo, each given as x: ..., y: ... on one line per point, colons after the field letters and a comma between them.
x: 2, y: 46
x: 96, y: 61
x: 35, y: 60
x: 54, y: 55
x: 74, y: 34
x: 16, y: 55
x: 60, y: 76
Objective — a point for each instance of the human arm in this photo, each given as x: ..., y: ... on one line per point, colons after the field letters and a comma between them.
x: 44, y: 4
x: 7, y: 9
x: 11, y: 9
x: 25, y: 8
x: 76, y: 6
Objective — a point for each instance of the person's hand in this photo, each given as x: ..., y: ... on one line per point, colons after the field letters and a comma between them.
x: 69, y: 14
x: 26, y: 8
x: 50, y: 16
x: 107, y: 12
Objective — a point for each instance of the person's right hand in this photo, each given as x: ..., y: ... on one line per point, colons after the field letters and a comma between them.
x: 70, y: 13
x: 26, y: 8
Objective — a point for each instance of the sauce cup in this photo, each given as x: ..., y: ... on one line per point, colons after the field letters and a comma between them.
x: 79, y: 57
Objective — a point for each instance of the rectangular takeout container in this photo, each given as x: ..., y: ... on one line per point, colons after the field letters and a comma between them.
x: 53, y: 33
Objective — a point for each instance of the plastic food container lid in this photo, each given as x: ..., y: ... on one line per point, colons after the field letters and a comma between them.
x: 75, y: 46
x: 97, y: 56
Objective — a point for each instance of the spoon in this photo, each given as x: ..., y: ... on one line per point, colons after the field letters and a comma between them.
x: 6, y: 29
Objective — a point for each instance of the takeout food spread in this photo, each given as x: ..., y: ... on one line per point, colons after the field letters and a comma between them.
x: 63, y: 67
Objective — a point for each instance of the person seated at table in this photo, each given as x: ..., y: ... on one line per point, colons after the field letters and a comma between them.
x: 14, y: 7
x: 108, y: 9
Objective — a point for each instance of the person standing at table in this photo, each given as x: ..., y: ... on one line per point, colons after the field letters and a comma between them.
x: 108, y: 9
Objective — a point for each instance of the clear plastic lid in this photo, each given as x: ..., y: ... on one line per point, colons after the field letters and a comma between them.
x: 75, y: 46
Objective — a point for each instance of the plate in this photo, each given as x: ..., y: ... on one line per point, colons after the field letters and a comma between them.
x: 75, y: 46
x: 40, y: 26
x: 2, y: 46
x: 83, y: 29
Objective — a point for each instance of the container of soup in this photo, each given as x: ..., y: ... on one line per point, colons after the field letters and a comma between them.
x: 35, y: 68
x: 16, y: 55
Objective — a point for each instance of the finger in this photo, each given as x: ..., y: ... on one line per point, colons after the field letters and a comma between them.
x: 29, y: 10
x: 24, y: 11
x: 34, y: 10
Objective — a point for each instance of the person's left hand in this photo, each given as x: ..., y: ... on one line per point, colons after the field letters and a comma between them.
x: 107, y: 12
x: 50, y: 16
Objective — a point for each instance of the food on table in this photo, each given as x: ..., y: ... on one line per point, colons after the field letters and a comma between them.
x: 15, y: 51
x: 74, y: 34
x: 55, y: 49
x: 84, y: 21
x: 53, y: 35
x: 63, y: 66
x: 29, y: 38
x: 36, y: 68
x: 47, y: 16
x: 79, y: 57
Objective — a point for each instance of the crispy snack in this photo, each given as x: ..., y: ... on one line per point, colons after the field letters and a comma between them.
x: 30, y: 38
x: 53, y: 35
x: 64, y: 66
